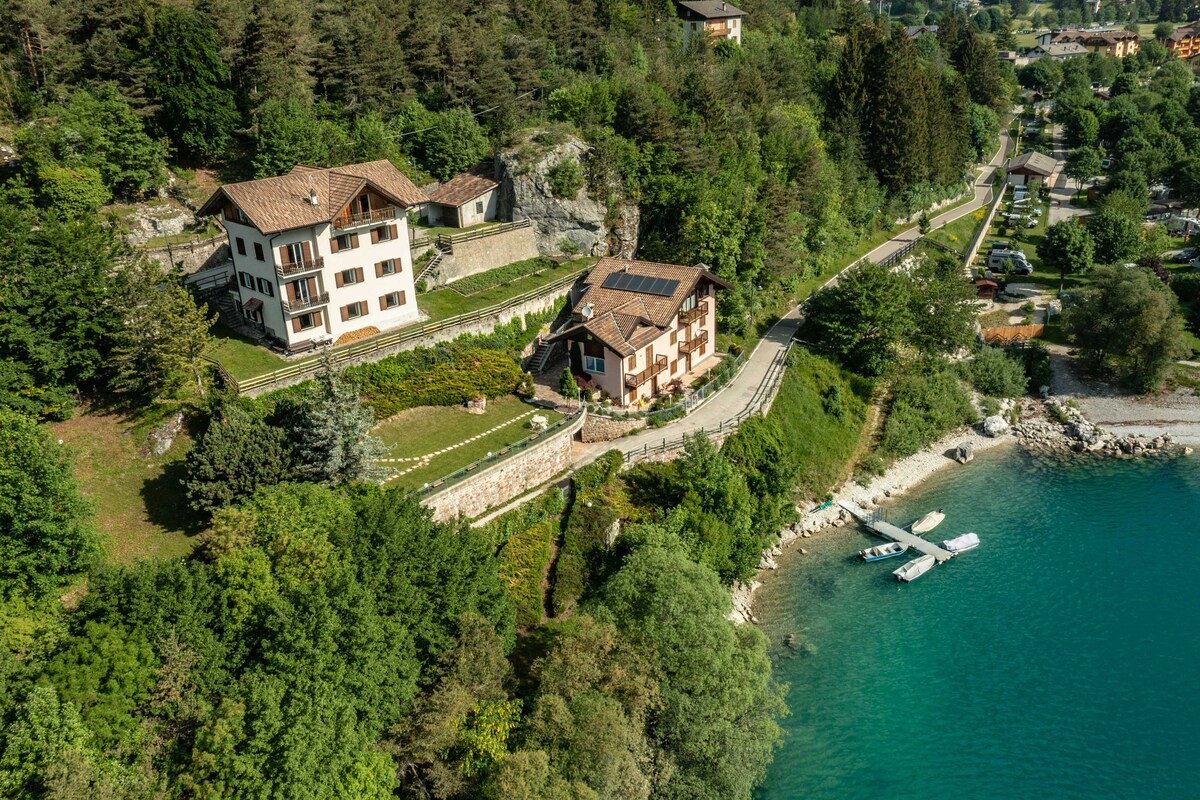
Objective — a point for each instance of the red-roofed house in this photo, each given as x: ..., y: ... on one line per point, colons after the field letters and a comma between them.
x: 640, y: 325
x: 464, y: 200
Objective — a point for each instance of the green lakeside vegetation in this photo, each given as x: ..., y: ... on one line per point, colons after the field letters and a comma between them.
x: 325, y: 637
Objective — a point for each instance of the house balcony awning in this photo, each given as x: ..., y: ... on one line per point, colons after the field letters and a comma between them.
x: 252, y: 305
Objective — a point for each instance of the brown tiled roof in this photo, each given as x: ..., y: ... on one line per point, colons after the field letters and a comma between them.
x: 465, y: 187
x: 627, y: 320
x: 712, y: 9
x: 1189, y: 31
x: 282, y: 203
x: 1032, y: 161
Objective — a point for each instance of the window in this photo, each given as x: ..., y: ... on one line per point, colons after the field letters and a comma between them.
x: 384, y: 234
x: 343, y: 242
x: 266, y: 287
x: 349, y: 276
x: 246, y: 280
x: 258, y: 251
x: 354, y: 311
x: 689, y: 303
x: 593, y: 364
x: 385, y: 268
x: 295, y: 253
x: 307, y: 321
x: 300, y: 290
x: 241, y: 246
x: 478, y: 206
x: 391, y: 300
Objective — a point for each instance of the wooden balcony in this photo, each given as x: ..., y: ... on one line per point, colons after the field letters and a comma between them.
x: 688, y: 317
x: 348, y: 221
x: 296, y: 267
x: 303, y: 304
x: 693, y: 344
x: 632, y: 381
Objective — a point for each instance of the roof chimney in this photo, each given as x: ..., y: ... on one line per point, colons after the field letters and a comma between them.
x: 312, y: 197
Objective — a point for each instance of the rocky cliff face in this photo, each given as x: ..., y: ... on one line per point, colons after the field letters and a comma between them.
x: 562, y: 225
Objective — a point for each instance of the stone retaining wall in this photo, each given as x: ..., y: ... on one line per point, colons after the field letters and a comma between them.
x: 603, y: 429
x: 479, y: 255
x: 501, y: 482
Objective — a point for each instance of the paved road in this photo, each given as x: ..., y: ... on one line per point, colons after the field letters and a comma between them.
x: 740, y: 393
x: 1063, y: 189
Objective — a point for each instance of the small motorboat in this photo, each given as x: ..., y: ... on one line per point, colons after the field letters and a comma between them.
x: 915, y: 568
x: 880, y: 552
x: 961, y: 544
x: 928, y: 522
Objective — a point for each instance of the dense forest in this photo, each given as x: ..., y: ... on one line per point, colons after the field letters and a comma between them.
x: 327, y: 639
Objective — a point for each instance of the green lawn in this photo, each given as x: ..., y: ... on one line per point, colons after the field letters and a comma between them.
x: 140, y: 506
x: 444, y: 303
x: 430, y: 230
x: 423, y: 431
x: 961, y: 232
x: 242, y: 357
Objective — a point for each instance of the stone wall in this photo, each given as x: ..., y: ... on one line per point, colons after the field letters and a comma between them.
x: 501, y: 482
x: 194, y: 256
x: 480, y: 255
x: 604, y: 429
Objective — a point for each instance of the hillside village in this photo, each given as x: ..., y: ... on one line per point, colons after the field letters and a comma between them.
x: 444, y: 404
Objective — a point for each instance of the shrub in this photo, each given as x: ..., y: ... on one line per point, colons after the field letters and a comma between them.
x: 473, y: 284
x: 871, y: 466
x: 566, y: 178
x: 523, y: 561
x: 585, y: 534
x: 1186, y: 285
x: 548, y: 505
x: 435, y: 377
x: 926, y: 405
x: 993, y: 372
x: 567, y: 386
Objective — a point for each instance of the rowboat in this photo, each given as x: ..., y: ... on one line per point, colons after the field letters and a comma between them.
x: 915, y: 568
x: 961, y: 544
x: 928, y: 522
x: 880, y: 552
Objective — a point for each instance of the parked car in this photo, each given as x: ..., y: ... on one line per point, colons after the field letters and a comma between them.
x: 1031, y: 223
x: 1184, y: 256
x: 994, y: 245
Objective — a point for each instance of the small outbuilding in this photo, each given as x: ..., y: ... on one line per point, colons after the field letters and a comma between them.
x: 1031, y: 169
x: 464, y: 200
x: 985, y: 289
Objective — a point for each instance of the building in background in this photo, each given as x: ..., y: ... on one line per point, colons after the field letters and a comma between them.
x: 464, y: 200
x: 712, y: 18
x: 1185, y: 41
x: 321, y: 255
x: 1106, y: 42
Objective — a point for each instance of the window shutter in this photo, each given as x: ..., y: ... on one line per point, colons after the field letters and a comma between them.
x: 306, y: 251
x: 673, y: 337
x: 393, y: 231
x: 353, y: 240
x: 363, y: 308
x: 291, y: 291
x: 358, y: 273
x: 631, y: 362
x: 283, y: 255
x: 383, y: 302
x: 401, y: 296
x: 312, y: 287
x: 296, y: 325
x: 333, y: 245
x: 378, y: 269
x: 338, y: 280
x: 375, y: 236
x: 345, y: 313
x: 316, y: 317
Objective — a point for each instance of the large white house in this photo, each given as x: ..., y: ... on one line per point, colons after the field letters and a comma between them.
x: 322, y: 254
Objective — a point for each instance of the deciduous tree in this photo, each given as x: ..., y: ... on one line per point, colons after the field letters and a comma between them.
x: 1067, y: 247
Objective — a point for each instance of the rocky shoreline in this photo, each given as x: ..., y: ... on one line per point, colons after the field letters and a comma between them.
x: 1047, y: 427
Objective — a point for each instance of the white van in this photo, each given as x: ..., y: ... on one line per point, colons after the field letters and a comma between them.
x: 1009, y: 261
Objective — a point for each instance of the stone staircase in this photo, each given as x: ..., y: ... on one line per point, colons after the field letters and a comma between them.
x: 441, y: 251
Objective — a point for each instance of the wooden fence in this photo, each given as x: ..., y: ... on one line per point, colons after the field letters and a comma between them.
x: 1007, y: 334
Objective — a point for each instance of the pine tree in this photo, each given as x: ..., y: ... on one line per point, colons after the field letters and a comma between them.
x: 334, y: 443
x: 898, y: 122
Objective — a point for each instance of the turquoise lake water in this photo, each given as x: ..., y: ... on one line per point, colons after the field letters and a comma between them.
x: 1060, y: 659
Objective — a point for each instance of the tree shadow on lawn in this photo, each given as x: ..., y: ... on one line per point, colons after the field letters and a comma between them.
x: 167, y: 504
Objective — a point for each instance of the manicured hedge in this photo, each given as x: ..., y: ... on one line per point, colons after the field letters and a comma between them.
x: 435, y: 377
x: 523, y: 562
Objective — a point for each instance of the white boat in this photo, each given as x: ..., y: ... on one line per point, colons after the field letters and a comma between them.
x: 882, y: 551
x: 961, y: 544
x: 915, y: 568
x: 928, y: 522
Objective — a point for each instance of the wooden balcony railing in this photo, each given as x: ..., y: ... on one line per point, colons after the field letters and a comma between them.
x: 296, y: 267
x: 633, y: 381
x: 347, y: 221
x: 693, y: 344
x: 688, y: 317
x: 301, y: 304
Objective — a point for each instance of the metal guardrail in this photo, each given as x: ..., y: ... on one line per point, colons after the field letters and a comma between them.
x: 685, y: 406
x: 573, y: 421
x: 377, y: 343
x: 764, y: 395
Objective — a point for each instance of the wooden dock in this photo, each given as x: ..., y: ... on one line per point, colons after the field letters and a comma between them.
x: 887, y: 530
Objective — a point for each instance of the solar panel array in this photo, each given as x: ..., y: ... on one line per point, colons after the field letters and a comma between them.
x: 628, y: 282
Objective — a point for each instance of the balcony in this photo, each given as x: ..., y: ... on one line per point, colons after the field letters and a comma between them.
x: 636, y: 380
x: 688, y: 317
x: 305, y: 303
x: 296, y: 267
x: 349, y: 221
x: 693, y: 344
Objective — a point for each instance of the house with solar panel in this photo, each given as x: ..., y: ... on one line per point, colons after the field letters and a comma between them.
x: 639, y: 327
